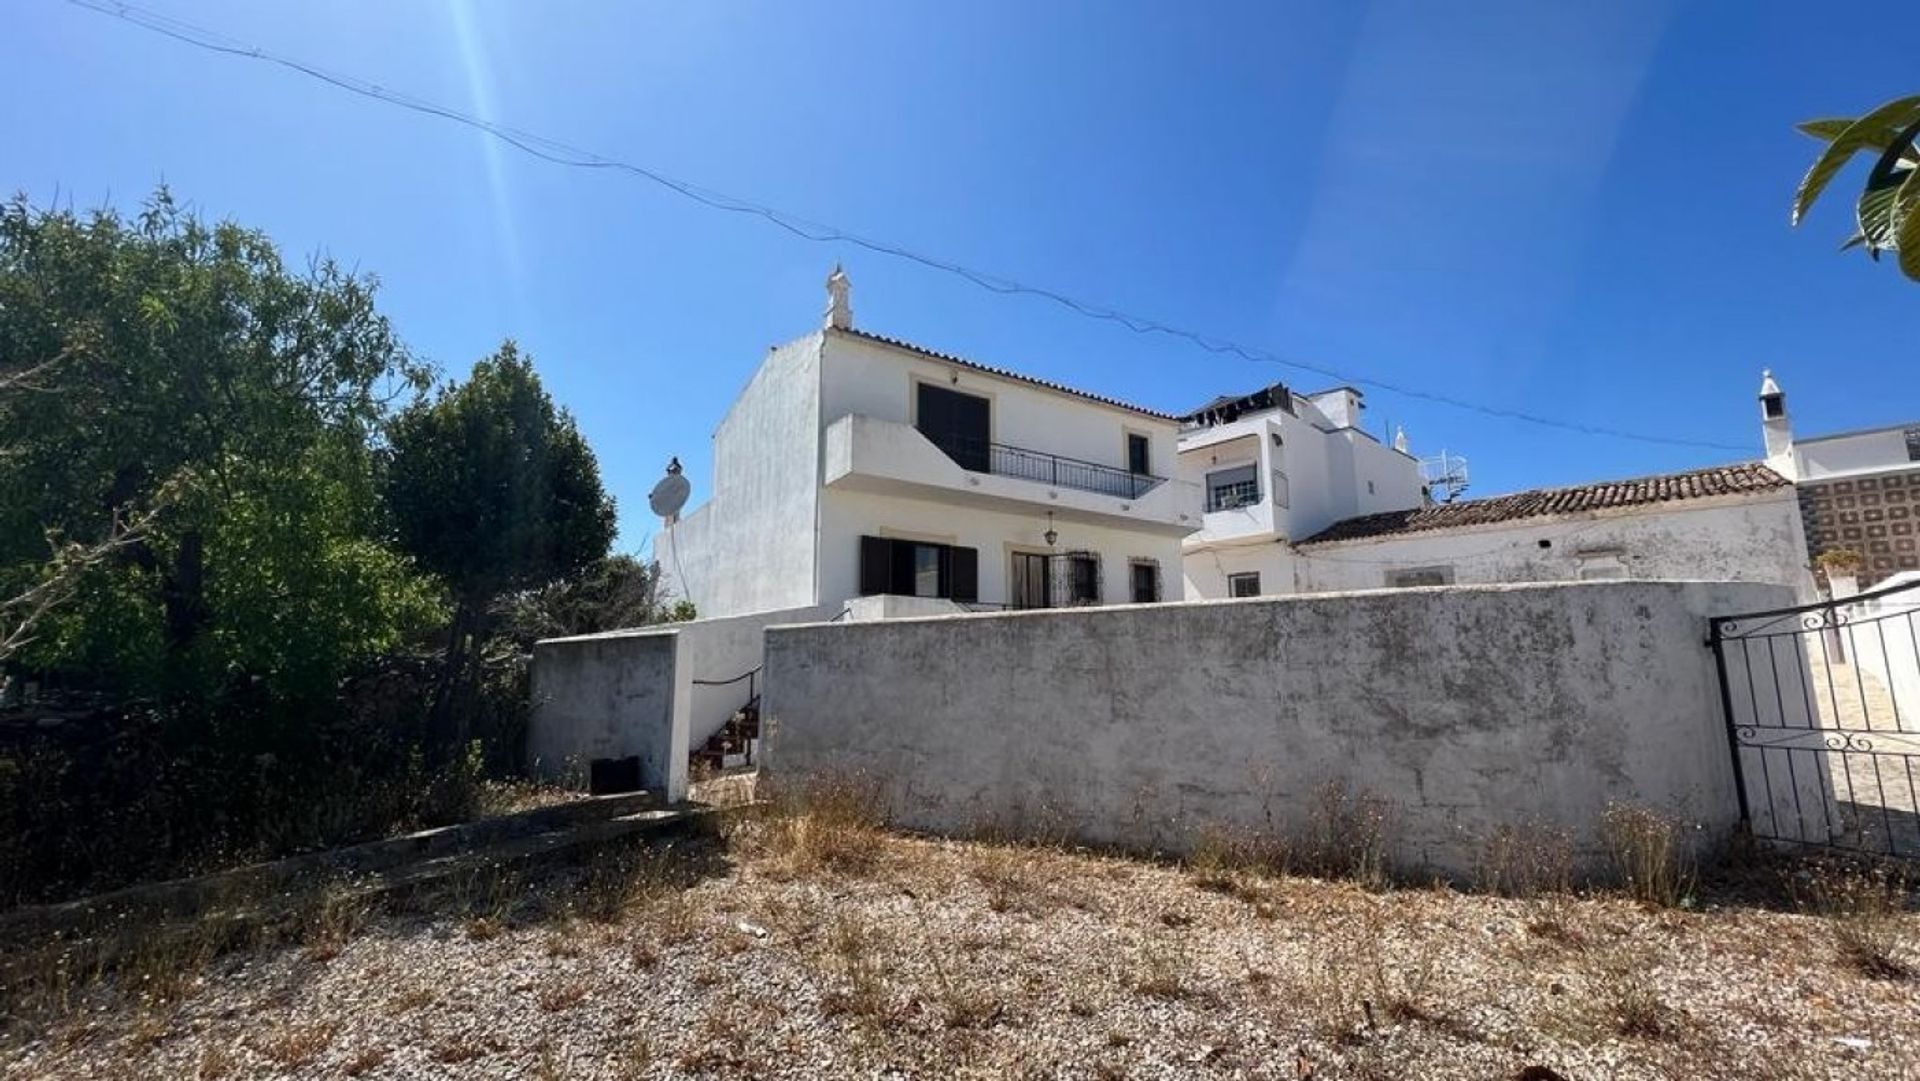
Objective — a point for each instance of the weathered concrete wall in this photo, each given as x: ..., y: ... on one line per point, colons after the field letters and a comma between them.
x: 611, y: 696
x: 1463, y: 708
x: 1741, y: 540
x: 658, y: 692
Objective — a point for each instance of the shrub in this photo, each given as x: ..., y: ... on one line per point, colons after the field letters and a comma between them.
x: 1649, y: 854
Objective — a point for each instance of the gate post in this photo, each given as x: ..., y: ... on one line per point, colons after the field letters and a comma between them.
x: 1718, y: 644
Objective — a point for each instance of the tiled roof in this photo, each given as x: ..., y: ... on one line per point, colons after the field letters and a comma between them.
x: 1744, y: 477
x: 1005, y: 374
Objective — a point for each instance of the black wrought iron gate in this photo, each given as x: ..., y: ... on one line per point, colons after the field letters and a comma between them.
x: 1823, y: 713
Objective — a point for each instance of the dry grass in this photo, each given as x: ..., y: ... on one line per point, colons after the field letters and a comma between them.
x: 1649, y: 852
x: 787, y: 949
x: 294, y: 1044
x: 1866, y: 910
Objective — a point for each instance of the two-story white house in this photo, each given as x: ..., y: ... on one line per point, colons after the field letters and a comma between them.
x: 863, y: 475
x: 1275, y: 467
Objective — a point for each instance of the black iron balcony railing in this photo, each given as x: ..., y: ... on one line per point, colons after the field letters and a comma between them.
x: 981, y: 456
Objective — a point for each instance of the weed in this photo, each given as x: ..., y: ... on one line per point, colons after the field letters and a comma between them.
x: 556, y: 997
x: 1345, y: 836
x: 1626, y: 1002
x: 293, y: 1045
x: 826, y: 824
x: 856, y: 950
x: 1535, y: 865
x: 365, y: 1059
x: 1864, y: 907
x: 1649, y: 854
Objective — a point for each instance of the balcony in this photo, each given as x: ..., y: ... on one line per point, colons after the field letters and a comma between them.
x: 862, y: 453
x: 980, y: 456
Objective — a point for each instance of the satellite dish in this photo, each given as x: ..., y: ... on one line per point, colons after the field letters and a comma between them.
x: 670, y: 494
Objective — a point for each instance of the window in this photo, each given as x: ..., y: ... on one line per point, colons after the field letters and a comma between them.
x: 959, y: 424
x: 1138, y: 460
x: 1420, y: 576
x: 1228, y: 489
x: 1146, y: 582
x: 918, y: 569
x: 1083, y: 578
x: 1913, y: 444
x: 1243, y: 585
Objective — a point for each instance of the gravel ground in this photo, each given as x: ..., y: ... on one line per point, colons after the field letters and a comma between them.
x: 783, y: 953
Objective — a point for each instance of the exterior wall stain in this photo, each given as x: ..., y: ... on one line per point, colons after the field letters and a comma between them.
x: 1463, y: 708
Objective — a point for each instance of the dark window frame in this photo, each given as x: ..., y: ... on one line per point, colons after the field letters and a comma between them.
x: 1134, y: 570
x: 893, y: 566
x: 1238, y: 579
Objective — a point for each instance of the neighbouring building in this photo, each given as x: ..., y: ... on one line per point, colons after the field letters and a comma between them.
x: 1858, y: 490
x: 1274, y: 467
x: 860, y: 474
x: 1736, y: 523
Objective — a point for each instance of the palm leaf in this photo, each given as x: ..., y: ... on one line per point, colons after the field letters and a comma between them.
x: 1830, y: 129
x: 1906, y: 210
x: 1860, y: 135
x: 1875, y: 215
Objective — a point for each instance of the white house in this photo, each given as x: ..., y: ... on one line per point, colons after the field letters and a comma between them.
x: 1275, y: 467
x: 1727, y: 523
x: 863, y: 475
x: 1858, y: 490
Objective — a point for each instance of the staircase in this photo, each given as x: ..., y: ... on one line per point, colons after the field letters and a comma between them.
x: 735, y: 747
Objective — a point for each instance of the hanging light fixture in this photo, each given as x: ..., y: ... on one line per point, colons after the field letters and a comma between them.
x: 1050, y: 536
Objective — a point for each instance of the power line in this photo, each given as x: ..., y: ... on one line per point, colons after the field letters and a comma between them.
x: 559, y: 153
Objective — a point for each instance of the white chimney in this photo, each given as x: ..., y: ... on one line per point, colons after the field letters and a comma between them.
x: 1776, y: 426
x: 839, y: 315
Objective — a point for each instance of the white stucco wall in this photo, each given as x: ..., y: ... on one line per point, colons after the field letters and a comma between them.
x: 876, y: 380
x: 611, y: 696
x: 1882, y: 636
x: 1745, y: 540
x: 750, y: 547
x: 847, y: 516
x: 1851, y: 454
x: 720, y: 649
x: 1465, y: 709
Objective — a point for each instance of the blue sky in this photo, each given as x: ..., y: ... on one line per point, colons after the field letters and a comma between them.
x: 1571, y: 209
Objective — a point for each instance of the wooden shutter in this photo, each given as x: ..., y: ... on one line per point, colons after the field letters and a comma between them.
x: 876, y: 565
x: 966, y: 575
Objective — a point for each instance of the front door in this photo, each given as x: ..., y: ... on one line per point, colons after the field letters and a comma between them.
x: 1031, y: 580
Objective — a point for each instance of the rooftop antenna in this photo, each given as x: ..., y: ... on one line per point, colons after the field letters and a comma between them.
x: 670, y: 494
x: 1445, y: 476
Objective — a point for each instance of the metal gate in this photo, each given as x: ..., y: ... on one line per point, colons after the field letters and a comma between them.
x: 1823, y: 715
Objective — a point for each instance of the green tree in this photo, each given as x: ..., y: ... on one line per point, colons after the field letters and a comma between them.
x: 493, y: 488
x: 189, y: 455
x: 1884, y: 214
x: 615, y: 592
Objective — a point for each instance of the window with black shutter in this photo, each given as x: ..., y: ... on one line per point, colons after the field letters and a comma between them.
x: 912, y: 568
x: 1137, y: 457
x: 959, y: 424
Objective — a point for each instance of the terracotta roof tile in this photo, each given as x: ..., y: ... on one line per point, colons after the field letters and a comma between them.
x: 1640, y: 491
x: 1005, y: 374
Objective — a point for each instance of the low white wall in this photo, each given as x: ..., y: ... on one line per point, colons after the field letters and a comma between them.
x: 1463, y: 708
x: 1881, y: 637
x: 610, y: 696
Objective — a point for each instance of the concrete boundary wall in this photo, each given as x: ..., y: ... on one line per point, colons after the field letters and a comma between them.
x: 650, y: 691
x: 1463, y: 708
